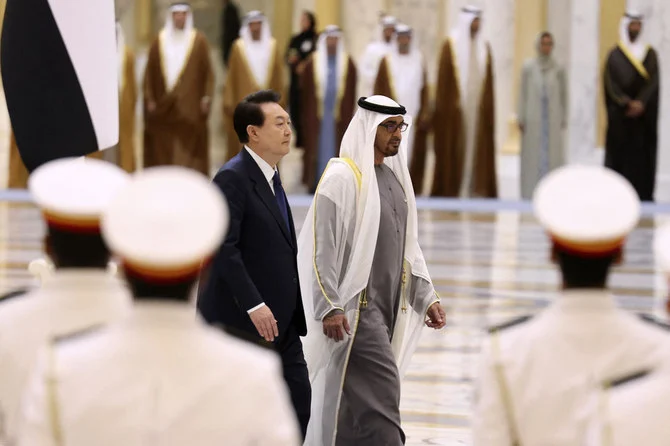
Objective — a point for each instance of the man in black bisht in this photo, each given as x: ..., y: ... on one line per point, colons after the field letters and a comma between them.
x: 230, y: 28
x: 301, y: 46
x: 631, y: 98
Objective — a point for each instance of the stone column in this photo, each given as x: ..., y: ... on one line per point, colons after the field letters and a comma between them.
x: 583, y: 71
x: 328, y: 12
x: 282, y: 23
x: 143, y: 22
x: 360, y: 22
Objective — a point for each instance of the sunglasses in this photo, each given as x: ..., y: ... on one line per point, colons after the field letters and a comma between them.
x: 392, y: 127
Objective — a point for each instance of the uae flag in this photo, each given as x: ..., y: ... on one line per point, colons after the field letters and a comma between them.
x: 59, y: 70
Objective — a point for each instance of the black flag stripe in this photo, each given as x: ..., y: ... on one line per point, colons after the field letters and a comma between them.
x: 46, y: 100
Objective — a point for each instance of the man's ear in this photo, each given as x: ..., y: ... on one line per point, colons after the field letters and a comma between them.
x: 252, y: 132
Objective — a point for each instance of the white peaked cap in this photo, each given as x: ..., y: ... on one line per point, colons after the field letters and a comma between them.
x: 662, y: 247
x: 73, y: 193
x: 165, y: 223
x: 587, y: 210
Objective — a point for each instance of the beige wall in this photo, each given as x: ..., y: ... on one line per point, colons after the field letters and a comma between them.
x: 328, y: 12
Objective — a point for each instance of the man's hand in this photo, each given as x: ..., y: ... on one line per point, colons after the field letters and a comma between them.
x: 635, y: 109
x: 335, y: 325
x: 151, y: 106
x: 293, y: 59
x: 265, y: 323
x: 437, y: 318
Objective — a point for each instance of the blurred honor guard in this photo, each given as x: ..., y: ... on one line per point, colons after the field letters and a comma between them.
x: 402, y: 76
x: 162, y: 376
x: 255, y: 64
x: 328, y: 90
x: 538, y: 373
x: 634, y: 409
x: 178, y: 87
x: 365, y: 285
x: 80, y: 294
x: 252, y: 286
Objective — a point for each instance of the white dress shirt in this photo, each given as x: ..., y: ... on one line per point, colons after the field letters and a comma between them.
x: 68, y: 301
x: 268, y: 170
x: 268, y: 173
x: 161, y: 377
x: 550, y: 364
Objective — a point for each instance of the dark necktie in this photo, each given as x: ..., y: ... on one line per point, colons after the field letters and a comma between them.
x: 280, y: 196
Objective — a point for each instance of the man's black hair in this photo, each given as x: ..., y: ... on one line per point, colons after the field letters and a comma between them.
x: 76, y: 250
x: 249, y: 112
x: 582, y: 272
x: 143, y: 290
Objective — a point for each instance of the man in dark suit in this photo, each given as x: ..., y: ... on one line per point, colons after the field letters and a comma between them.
x: 252, y: 285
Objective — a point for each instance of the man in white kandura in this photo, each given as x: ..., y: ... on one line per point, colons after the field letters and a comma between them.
x: 72, y: 194
x: 374, y: 53
x: 162, y: 376
x: 538, y: 374
x: 364, y: 282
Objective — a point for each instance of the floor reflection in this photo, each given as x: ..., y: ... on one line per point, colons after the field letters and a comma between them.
x: 488, y: 267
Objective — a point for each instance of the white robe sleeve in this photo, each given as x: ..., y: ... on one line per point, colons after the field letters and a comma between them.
x: 325, y: 275
x: 334, y: 213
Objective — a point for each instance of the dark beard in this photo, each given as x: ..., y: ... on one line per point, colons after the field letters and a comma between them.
x: 633, y: 35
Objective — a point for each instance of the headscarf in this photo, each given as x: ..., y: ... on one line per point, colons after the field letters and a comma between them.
x: 545, y: 62
x: 258, y: 52
x: 638, y: 48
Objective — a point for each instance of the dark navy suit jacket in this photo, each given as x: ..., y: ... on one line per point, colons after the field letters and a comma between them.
x: 258, y: 260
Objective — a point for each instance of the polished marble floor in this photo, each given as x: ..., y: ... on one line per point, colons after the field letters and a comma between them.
x: 489, y: 263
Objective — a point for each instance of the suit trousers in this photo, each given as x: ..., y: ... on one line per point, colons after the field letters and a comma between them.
x: 296, y: 376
